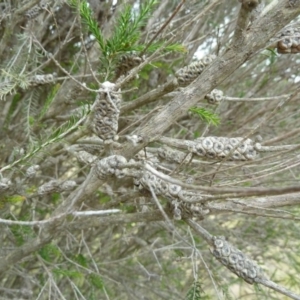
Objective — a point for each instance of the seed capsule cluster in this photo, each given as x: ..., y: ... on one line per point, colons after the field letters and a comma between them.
x: 159, y: 186
x: 289, y: 41
x: 31, y: 171
x: 178, y: 197
x: 5, y: 184
x: 162, y: 187
x: 235, y: 260
x: 126, y: 63
x: 189, y: 73
x: 172, y: 155
x: 106, y: 113
x: 36, y: 10
x: 86, y: 157
x: 181, y: 210
x: 109, y: 166
x: 56, y: 186
x: 221, y: 147
x: 42, y: 79
x: 215, y: 96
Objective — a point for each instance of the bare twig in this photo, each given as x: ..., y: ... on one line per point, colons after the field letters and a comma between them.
x: 163, y: 27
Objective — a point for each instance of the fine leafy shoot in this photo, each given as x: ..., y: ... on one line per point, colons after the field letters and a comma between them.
x: 195, y: 292
x: 126, y: 34
x: 206, y: 115
x: 86, y: 15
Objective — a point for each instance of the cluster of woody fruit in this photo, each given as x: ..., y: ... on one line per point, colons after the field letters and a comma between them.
x: 288, y: 41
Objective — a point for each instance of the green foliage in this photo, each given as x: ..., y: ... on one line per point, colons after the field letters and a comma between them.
x: 10, y: 82
x: 86, y: 15
x: 161, y: 45
x: 96, y: 281
x: 12, y: 108
x: 225, y: 290
x: 49, y: 252
x: 206, y: 115
x: 103, y: 198
x: 60, y: 132
x: 55, y: 136
x: 81, y: 260
x: 13, y: 199
x: 124, y: 37
x: 59, y: 272
x: 31, y: 106
x: 7, y: 200
x: 48, y: 101
x: 272, y: 55
x: 21, y: 233
x: 126, y: 33
x: 14, y: 70
x: 55, y: 197
x: 261, y: 293
x: 195, y: 292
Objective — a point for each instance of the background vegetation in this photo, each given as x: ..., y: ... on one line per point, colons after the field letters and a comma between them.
x: 80, y: 216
